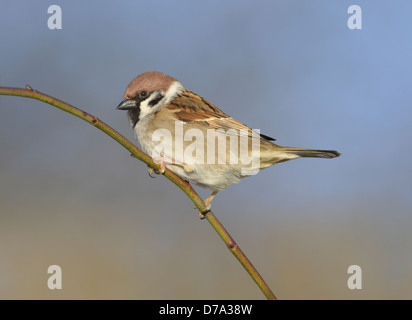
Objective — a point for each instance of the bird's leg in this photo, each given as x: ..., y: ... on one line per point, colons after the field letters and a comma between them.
x: 208, y: 202
x: 163, y: 161
x: 209, y: 199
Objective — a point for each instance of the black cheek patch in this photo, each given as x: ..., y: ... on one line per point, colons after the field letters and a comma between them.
x: 156, y: 100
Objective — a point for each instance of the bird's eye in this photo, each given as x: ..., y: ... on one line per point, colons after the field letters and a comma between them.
x: 143, y: 94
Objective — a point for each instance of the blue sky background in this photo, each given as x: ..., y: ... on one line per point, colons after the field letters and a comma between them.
x: 69, y: 195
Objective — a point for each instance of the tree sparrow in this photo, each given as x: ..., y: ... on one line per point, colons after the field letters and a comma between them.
x: 179, y: 129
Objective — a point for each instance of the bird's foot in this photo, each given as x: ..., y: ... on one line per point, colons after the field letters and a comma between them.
x: 208, y: 202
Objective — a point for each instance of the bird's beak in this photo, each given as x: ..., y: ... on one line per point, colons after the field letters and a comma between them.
x: 128, y: 104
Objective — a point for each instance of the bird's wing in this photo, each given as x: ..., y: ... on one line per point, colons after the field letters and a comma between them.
x: 191, y: 108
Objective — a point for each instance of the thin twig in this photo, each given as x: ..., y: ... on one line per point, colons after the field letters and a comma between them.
x: 28, y: 92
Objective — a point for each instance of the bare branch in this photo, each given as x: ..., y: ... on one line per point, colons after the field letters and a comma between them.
x: 29, y: 92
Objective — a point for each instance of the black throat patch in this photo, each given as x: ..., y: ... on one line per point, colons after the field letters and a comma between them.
x: 134, y: 116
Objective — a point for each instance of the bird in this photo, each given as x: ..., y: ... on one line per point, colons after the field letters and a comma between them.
x: 180, y: 128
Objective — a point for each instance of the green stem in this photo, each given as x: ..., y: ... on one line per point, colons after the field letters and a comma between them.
x: 185, y: 186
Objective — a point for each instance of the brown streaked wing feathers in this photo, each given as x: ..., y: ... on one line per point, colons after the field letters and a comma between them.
x: 191, y: 108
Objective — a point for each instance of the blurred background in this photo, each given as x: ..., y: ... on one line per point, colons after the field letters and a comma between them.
x: 72, y: 196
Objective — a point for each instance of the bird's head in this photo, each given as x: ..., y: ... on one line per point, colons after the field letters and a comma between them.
x: 147, y: 93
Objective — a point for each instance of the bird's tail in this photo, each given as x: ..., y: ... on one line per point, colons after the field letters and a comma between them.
x: 311, y: 153
x: 278, y: 154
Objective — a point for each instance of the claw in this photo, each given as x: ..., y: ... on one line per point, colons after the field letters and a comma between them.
x: 162, y: 161
x: 151, y: 172
x: 201, y: 215
x: 208, y: 202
